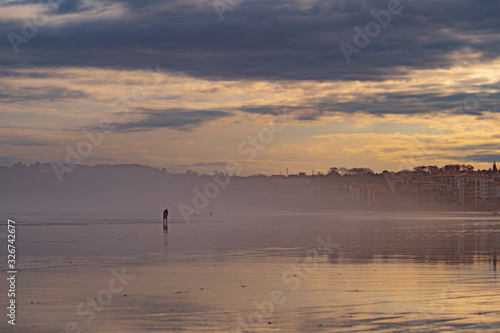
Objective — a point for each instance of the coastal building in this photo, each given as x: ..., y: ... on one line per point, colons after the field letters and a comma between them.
x: 497, y: 191
x: 475, y: 189
x: 448, y: 178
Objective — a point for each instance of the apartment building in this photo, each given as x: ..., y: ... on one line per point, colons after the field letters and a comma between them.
x: 475, y: 189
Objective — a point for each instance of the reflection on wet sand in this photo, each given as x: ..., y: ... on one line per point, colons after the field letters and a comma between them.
x: 390, y: 273
x: 165, y: 240
x: 448, y: 242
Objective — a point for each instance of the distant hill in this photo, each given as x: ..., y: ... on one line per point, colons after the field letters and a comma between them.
x: 138, y: 190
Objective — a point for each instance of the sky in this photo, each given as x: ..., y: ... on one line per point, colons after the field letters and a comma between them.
x: 304, y: 85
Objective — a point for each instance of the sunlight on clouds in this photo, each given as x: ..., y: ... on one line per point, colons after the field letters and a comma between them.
x: 18, y: 12
x: 319, y: 136
x: 90, y: 10
x: 96, y: 11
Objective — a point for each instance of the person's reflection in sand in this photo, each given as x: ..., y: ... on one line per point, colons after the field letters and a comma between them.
x: 165, y: 240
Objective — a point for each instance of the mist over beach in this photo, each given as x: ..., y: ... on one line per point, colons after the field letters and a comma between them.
x: 249, y: 166
x: 328, y: 272
x: 293, y: 253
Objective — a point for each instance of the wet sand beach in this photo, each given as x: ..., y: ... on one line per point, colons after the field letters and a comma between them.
x: 329, y: 272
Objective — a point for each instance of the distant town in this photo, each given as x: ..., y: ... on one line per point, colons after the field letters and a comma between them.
x: 451, y: 185
x: 146, y: 190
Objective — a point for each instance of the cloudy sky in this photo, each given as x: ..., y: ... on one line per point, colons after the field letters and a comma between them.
x: 192, y: 84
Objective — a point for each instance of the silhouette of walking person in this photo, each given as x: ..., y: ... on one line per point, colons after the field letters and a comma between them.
x: 165, y: 219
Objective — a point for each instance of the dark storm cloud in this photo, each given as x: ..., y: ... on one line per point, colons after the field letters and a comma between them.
x: 389, y: 103
x: 397, y: 103
x: 179, y: 119
x: 487, y: 157
x: 27, y: 94
x: 490, y: 146
x: 269, y: 40
x: 4, y: 73
x: 262, y: 39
